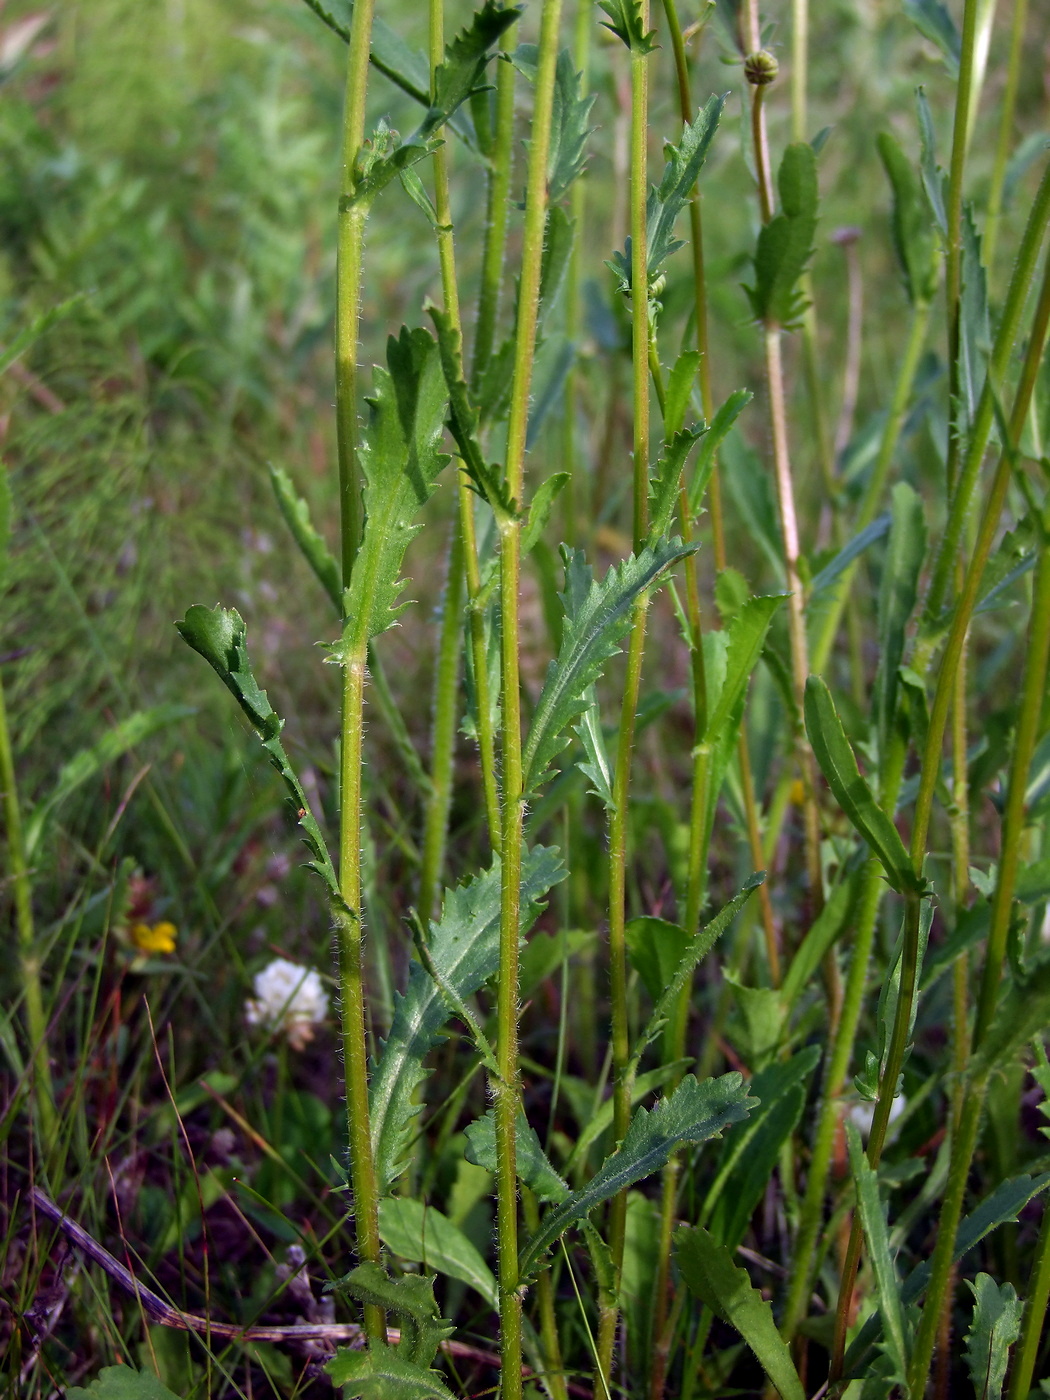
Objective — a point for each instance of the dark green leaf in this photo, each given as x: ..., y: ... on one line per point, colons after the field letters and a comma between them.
x: 912, y: 234
x: 597, y: 615
x: 655, y: 948
x: 878, y: 528
x: 382, y: 1373
x: 121, y: 1383
x: 486, y: 479
x: 898, y: 593
x: 464, y: 948
x: 597, y: 767
x: 887, y: 1285
x: 400, y: 461
x: 599, y: 1120
x: 975, y: 334
x: 695, y: 1112
x: 785, y: 244
x: 934, y: 22
x: 826, y: 929
x: 569, y: 116
x: 679, y: 389
x: 837, y: 763
x: 712, y: 440
x: 625, y: 21
x: 667, y: 480
x: 1005, y: 1203
x: 380, y: 160
x: 411, y: 1300
x: 218, y: 635
x: 1023, y: 1013
x: 540, y: 510
x: 996, y: 1326
x: 554, y: 359
x: 710, y: 1273
x: 405, y: 67
x: 423, y: 1235
x: 753, y: 1151
x: 934, y: 180
x: 533, y: 1165
x: 466, y: 57
x: 748, y: 484
x: 316, y: 553
x: 683, y: 165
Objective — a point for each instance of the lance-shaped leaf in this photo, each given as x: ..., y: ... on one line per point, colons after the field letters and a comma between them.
x: 975, y: 332
x: 39, y: 326
x: 1023, y: 1013
x: 693, y: 954
x: 710, y: 1273
x: 597, y: 616
x: 996, y: 1326
x: 887, y: 1285
x: 423, y: 1235
x: 90, y: 762
x: 625, y: 21
x: 460, y: 75
x: 1004, y: 1204
x: 218, y: 634
x: 679, y: 391
x: 570, y: 112
x: 934, y: 22
x: 913, y: 239
x: 400, y: 461
x: 839, y: 766
x: 316, y: 553
x: 712, y: 440
x: 667, y: 200
x: 533, y: 1165
x: 695, y: 1112
x: 668, y: 478
x: 897, y: 596
x: 597, y: 767
x: 464, y: 949
x: 934, y: 180
x: 487, y: 479
x: 785, y: 244
x: 390, y: 55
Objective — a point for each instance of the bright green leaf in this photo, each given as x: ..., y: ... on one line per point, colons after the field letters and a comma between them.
x: 533, y: 1165
x: 466, y: 57
x: 316, y: 553
x: 785, y: 244
x: 913, y: 238
x: 464, y: 947
x: 570, y: 112
x: 996, y: 1326
x: 876, y: 1234
x: 625, y: 21
x: 711, y: 441
x: 423, y: 1235
x: 710, y: 1273
x: 695, y: 1112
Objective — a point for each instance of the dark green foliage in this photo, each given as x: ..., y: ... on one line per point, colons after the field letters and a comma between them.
x: 785, y: 244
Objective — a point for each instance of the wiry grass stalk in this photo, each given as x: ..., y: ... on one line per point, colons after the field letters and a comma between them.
x: 506, y: 1088
x: 578, y: 208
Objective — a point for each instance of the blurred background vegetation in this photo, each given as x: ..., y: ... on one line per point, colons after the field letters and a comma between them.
x: 177, y: 162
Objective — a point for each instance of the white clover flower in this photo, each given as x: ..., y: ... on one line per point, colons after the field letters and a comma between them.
x: 862, y: 1114
x: 289, y: 1000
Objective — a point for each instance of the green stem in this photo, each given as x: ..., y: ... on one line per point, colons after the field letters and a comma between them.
x: 36, y: 1020
x: 1008, y: 112
x: 348, y: 285
x: 506, y: 1086
x: 349, y: 926
x: 618, y: 819
x: 953, y: 211
x: 1034, y: 1315
x: 571, y: 504
x: 1002, y: 351
x: 799, y: 67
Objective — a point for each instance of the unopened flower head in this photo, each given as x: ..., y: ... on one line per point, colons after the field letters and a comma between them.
x: 289, y: 1000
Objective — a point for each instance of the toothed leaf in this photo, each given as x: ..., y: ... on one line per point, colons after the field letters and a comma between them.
x: 400, y: 462
x: 533, y: 1165
x: 695, y: 1112
x: 569, y: 115
x: 487, y: 479
x: 597, y: 615
x: 625, y: 21
x: 316, y: 553
x: 218, y: 634
x: 785, y: 244
x: 464, y: 948
x: 996, y: 1326
x: 466, y: 57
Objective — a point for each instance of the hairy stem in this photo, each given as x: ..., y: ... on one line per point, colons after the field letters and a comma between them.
x: 506, y: 1086
x: 1007, y: 117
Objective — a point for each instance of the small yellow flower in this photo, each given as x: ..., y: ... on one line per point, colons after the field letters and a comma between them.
x: 154, y: 938
x: 798, y: 792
